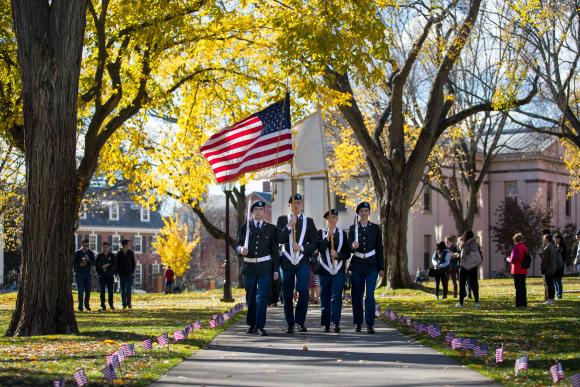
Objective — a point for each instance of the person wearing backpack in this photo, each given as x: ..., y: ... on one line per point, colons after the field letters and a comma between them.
x: 516, y: 259
x: 561, y: 256
x: 469, y: 264
x: 548, y: 267
x: 441, y: 260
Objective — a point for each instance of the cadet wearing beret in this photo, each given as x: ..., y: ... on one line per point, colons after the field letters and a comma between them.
x: 261, y: 266
x: 295, y: 261
x: 366, y: 264
x: 331, y: 274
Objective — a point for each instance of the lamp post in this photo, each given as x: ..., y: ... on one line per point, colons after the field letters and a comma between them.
x: 227, y: 188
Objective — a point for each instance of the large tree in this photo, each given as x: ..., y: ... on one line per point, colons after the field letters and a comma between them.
x: 383, y: 49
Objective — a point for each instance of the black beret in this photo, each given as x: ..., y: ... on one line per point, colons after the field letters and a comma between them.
x: 363, y: 205
x: 334, y: 212
x: 296, y: 197
x: 259, y: 203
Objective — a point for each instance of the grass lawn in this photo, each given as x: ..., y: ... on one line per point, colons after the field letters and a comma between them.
x: 42, y: 359
x: 545, y: 333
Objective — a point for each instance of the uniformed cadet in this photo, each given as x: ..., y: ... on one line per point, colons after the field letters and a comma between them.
x: 366, y: 264
x: 295, y: 261
x: 332, y: 261
x: 261, y: 266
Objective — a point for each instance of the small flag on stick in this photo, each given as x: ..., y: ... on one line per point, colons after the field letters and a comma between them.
x: 521, y: 364
x: 80, y: 377
x: 575, y: 380
x: 109, y: 372
x: 147, y: 344
x: 377, y: 310
x: 557, y: 372
x: 499, y: 355
x: 58, y: 383
x: 162, y: 340
x: 112, y: 360
x: 178, y: 335
x: 480, y: 350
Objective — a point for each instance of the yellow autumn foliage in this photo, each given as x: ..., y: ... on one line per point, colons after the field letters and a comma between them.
x: 173, y: 247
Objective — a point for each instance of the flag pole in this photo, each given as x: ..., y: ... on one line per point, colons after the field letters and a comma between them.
x: 329, y: 215
x: 293, y: 187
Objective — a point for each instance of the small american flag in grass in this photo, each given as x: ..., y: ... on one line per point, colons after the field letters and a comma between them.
x: 163, y: 339
x: 521, y: 364
x: 188, y: 328
x: 499, y: 355
x: 197, y: 325
x: 434, y: 331
x: 469, y: 344
x: 456, y: 343
x: 128, y: 350
x: 120, y: 355
x: 58, y: 383
x: 178, y: 335
x: 112, y: 360
x: 575, y: 380
x: 226, y: 316
x: 388, y: 313
x: 480, y: 350
x: 80, y: 377
x: 377, y: 310
x: 449, y: 336
x: 557, y: 371
x: 213, y: 323
x: 147, y: 344
x: 393, y: 315
x: 109, y: 372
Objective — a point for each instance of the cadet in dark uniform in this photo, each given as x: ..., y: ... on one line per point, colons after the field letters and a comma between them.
x: 295, y: 261
x: 366, y: 264
x: 261, y: 266
x: 331, y: 273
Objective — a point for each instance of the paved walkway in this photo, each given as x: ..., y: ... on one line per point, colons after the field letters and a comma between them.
x: 318, y: 359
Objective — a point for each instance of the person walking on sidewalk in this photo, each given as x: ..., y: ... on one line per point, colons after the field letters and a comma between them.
x: 106, y: 266
x: 126, y: 270
x: 548, y: 267
x: 334, y: 251
x: 441, y: 260
x: 83, y: 263
x: 366, y: 265
x: 519, y: 272
x: 259, y: 247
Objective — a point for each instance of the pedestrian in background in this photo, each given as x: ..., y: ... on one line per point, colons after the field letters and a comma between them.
x: 169, y: 280
x: 548, y: 266
x: 106, y: 267
x: 470, y: 260
x: 83, y: 263
x: 518, y: 271
x: 126, y: 270
x: 454, y: 265
x: 441, y: 260
x: 561, y: 250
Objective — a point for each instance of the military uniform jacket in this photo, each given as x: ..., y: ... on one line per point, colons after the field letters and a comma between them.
x: 369, y: 239
x: 343, y: 251
x: 309, y: 243
x: 261, y: 243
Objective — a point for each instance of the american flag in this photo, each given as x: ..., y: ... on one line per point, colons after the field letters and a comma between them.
x: 449, y: 336
x: 499, y: 355
x: 456, y: 343
x: 557, y: 372
x: 80, y: 377
x: 377, y: 310
x: 226, y: 316
x: 434, y: 331
x: 58, y: 383
x: 262, y: 140
x: 128, y: 350
x: 469, y: 344
x: 147, y: 344
x: 393, y: 315
x: 121, y: 354
x: 212, y: 323
x: 112, y: 360
x: 162, y: 339
x: 388, y: 313
x: 188, y: 328
x: 178, y: 335
x: 197, y: 325
x: 575, y: 380
x: 521, y: 364
x: 109, y: 372
x: 480, y: 350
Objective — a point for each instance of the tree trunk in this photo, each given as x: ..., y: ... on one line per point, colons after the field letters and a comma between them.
x: 394, y: 212
x: 50, y: 41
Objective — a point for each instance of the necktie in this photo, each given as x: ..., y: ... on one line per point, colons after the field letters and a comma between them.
x: 259, y: 225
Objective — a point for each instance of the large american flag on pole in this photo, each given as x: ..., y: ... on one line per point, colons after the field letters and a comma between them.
x: 260, y: 141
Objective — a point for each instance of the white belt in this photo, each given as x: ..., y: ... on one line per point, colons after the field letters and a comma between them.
x: 256, y: 260
x: 365, y: 255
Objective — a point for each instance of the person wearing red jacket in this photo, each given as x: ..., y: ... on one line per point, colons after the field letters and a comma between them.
x: 169, y: 279
x: 515, y: 259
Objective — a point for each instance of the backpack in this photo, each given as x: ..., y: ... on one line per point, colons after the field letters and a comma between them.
x: 527, y: 261
x: 472, y: 260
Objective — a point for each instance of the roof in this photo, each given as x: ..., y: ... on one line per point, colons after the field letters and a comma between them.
x: 265, y: 196
x: 517, y: 141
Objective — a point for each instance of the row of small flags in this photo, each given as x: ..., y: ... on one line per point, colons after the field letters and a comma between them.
x: 479, y: 349
x: 114, y: 360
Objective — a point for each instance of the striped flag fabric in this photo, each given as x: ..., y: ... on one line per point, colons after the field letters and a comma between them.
x: 469, y: 344
x: 213, y: 323
x: 393, y: 315
x: 197, y: 325
x: 188, y: 328
x: 80, y: 377
x: 128, y: 350
x: 147, y: 344
x: 377, y: 310
x: 226, y: 316
x: 121, y: 355
x: 557, y: 372
x: 433, y: 331
x: 449, y: 336
x: 456, y: 343
x: 575, y: 380
x: 109, y: 372
x: 260, y: 141
x: 178, y: 335
x: 499, y: 355
x: 480, y: 350
x: 521, y: 364
x: 58, y: 383
x: 112, y: 360
x: 162, y: 339
x: 388, y: 313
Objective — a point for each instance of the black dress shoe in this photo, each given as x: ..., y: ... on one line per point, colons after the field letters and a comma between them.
x: 80, y: 308
x: 358, y: 328
x: 336, y: 328
x: 251, y: 330
x: 88, y: 308
x: 290, y: 329
x: 262, y: 332
x: 327, y: 328
x: 370, y: 330
x: 112, y: 307
x: 103, y: 308
x: 302, y: 328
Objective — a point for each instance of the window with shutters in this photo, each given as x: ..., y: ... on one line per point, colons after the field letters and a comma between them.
x: 427, y: 246
x: 93, y: 242
x: 116, y: 243
x: 138, y: 244
x: 155, y: 268
x: 114, y: 211
x: 138, y: 274
x: 145, y: 214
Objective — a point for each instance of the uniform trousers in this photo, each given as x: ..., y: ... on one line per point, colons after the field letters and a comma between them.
x: 258, y: 288
x: 299, y: 277
x: 360, y: 282
x: 331, y: 298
